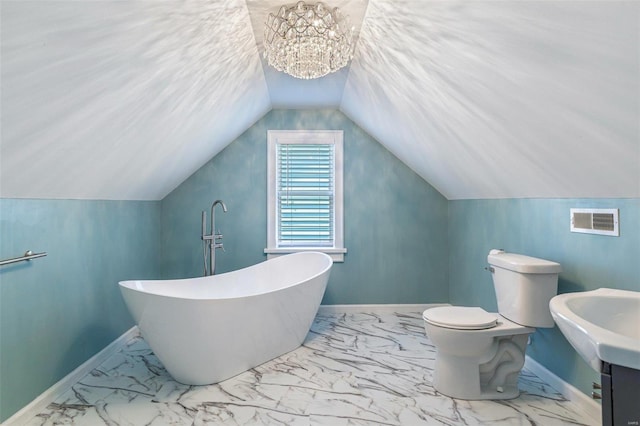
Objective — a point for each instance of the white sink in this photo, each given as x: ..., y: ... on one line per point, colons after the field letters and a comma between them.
x: 602, y: 325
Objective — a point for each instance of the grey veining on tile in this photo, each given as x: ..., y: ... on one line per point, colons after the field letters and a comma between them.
x: 353, y: 369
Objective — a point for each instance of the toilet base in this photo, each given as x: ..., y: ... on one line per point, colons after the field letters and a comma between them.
x: 494, y: 376
x: 489, y: 395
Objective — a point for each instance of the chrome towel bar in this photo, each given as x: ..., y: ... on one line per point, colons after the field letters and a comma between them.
x: 28, y: 255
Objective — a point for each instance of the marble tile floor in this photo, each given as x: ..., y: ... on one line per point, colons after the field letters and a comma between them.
x: 353, y: 369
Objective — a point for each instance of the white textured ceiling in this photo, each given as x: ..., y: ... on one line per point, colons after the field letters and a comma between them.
x: 483, y: 99
x: 122, y: 99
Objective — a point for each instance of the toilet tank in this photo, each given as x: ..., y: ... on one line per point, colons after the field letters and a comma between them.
x: 524, y: 286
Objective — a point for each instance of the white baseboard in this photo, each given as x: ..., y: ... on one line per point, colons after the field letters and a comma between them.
x: 378, y: 309
x: 47, y: 397
x: 586, y: 405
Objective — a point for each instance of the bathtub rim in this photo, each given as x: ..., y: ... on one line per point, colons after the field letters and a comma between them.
x: 130, y: 284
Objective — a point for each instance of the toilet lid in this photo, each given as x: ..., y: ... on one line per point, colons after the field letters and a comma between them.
x: 460, y: 317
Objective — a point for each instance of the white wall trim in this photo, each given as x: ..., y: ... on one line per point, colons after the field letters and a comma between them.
x: 586, y: 405
x: 38, y: 405
x: 383, y: 308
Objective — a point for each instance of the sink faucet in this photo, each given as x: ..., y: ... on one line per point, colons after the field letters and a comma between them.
x: 213, y: 238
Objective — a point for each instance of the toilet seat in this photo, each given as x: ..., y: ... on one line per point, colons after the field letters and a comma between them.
x: 460, y: 317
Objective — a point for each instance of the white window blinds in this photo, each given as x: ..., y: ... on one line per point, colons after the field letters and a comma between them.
x: 305, y: 192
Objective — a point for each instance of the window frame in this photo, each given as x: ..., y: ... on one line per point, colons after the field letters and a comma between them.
x: 312, y: 137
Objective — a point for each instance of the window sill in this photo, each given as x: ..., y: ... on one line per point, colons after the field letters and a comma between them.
x: 337, y: 254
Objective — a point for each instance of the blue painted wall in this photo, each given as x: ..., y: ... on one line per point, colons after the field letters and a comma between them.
x: 58, y: 311
x: 407, y: 244
x: 395, y: 222
x: 540, y: 228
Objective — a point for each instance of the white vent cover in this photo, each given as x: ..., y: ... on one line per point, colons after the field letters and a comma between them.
x: 595, y: 221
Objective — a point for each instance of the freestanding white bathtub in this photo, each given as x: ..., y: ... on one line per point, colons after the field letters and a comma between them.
x: 205, y: 330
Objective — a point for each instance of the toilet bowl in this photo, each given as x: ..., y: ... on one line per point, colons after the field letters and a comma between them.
x: 476, y: 363
x: 479, y: 355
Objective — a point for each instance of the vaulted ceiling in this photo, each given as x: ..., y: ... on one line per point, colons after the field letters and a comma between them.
x: 483, y: 99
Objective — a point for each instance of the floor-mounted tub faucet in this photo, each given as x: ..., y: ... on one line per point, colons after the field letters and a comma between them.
x: 213, y: 238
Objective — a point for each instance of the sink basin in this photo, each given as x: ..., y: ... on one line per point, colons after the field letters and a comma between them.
x: 602, y: 325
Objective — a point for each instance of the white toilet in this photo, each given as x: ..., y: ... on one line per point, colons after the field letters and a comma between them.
x: 479, y: 354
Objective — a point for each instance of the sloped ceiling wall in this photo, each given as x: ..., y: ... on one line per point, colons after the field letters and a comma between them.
x: 122, y: 99
x: 504, y: 99
x: 483, y: 99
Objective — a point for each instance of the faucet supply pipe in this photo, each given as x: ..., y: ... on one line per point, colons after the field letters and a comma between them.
x: 213, y: 238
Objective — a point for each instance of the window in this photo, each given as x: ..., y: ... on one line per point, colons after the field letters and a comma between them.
x: 304, y: 192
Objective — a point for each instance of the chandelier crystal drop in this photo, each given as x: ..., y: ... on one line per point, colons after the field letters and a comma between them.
x: 308, y: 40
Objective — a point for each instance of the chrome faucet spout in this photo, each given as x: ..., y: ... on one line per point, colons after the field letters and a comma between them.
x: 216, y: 202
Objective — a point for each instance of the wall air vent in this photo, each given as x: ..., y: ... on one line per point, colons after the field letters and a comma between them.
x: 595, y: 221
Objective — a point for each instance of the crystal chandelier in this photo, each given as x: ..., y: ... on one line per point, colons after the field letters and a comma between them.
x: 308, y: 40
